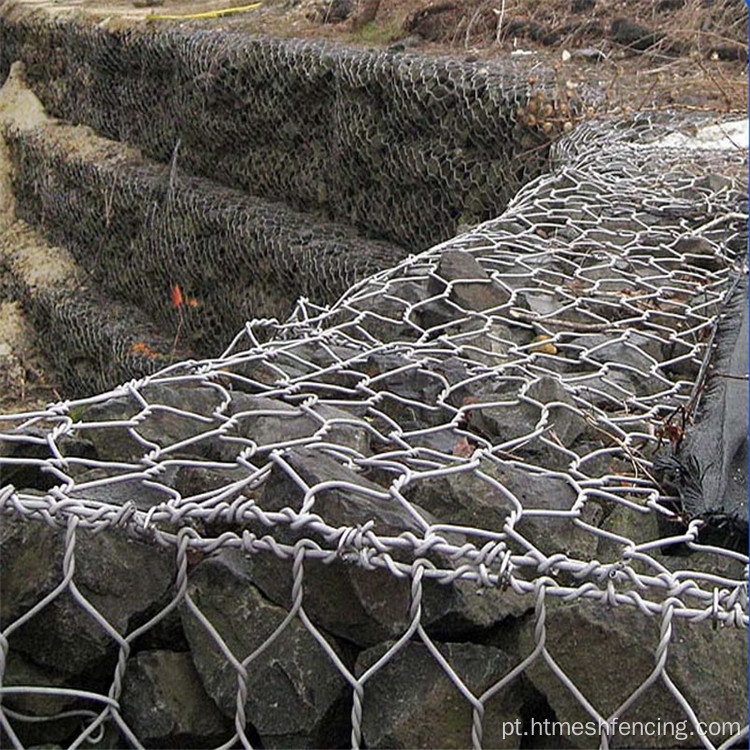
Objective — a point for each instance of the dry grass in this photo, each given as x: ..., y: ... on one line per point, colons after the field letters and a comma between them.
x: 698, y: 59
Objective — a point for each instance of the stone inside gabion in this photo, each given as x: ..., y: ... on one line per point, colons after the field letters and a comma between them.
x: 422, y: 515
x: 400, y: 146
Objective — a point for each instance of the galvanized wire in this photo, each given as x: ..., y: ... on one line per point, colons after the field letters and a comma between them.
x: 580, y: 329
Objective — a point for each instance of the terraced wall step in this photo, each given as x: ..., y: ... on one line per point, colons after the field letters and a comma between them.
x: 94, y: 340
x: 139, y: 231
x: 401, y: 146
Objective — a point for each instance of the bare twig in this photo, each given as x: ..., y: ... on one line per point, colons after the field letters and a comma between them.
x: 636, y: 462
x: 500, y: 19
x: 727, y: 98
x: 180, y: 319
x: 471, y: 23
x: 366, y: 14
x: 648, y: 93
x: 609, y: 94
x: 573, y: 326
x: 173, y: 171
x: 109, y: 196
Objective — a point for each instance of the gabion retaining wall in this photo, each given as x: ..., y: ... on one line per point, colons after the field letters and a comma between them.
x: 400, y: 146
x: 438, y: 514
x: 139, y: 229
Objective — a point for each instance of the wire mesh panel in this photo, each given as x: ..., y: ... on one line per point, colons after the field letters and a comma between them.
x: 463, y: 506
x: 138, y: 228
x: 401, y: 146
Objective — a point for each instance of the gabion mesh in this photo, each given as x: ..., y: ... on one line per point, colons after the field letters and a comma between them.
x: 400, y: 146
x: 139, y: 228
x: 484, y: 417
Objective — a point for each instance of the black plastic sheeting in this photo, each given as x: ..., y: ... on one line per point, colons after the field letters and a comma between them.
x: 709, y: 469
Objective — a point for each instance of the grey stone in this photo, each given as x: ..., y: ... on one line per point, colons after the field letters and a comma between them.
x: 482, y: 386
x: 259, y: 420
x: 519, y: 416
x: 355, y: 502
x: 412, y: 702
x: 299, y: 358
x: 611, y: 390
x: 472, y: 287
x: 543, y: 305
x: 649, y: 527
x: 161, y: 426
x: 628, y: 362
x: 453, y: 369
x: 686, y: 365
x: 629, y: 524
x: 634, y: 35
x: 32, y: 444
x: 191, y: 481
x: 564, y: 420
x: 698, y: 251
x: 437, y: 315
x: 363, y: 605
x: 386, y: 315
x: 609, y: 652
x: 30, y: 562
x: 590, y: 54
x: 500, y: 417
x: 293, y: 686
x: 360, y: 604
x: 715, y: 183
x: 271, y: 422
x: 108, y: 573
x: 408, y: 396
x: 163, y: 701
x: 143, y: 496
x: 470, y: 500
x: 492, y: 345
x: 446, y: 440
x: 20, y: 671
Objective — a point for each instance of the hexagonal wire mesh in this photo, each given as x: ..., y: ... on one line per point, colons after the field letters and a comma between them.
x: 485, y: 447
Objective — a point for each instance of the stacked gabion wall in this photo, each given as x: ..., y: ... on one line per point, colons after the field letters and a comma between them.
x: 433, y: 515
x: 403, y: 147
x: 140, y: 229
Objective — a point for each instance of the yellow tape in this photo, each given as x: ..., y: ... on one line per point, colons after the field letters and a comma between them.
x: 206, y: 14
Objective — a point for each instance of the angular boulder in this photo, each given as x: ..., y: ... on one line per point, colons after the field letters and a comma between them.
x: 608, y: 653
x: 470, y: 499
x: 293, y: 686
x: 364, y: 603
x: 412, y: 702
x: 163, y: 702
x: 108, y: 573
